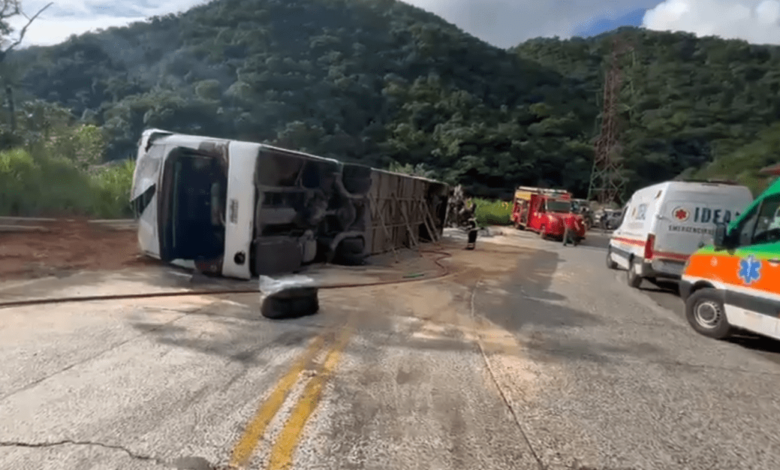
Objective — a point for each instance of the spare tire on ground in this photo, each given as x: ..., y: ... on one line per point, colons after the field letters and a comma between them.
x: 291, y: 303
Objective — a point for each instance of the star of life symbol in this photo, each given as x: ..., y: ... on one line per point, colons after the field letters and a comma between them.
x: 749, y: 270
x: 681, y: 214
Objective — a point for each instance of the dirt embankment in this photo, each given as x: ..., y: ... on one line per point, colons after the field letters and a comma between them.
x: 65, y: 246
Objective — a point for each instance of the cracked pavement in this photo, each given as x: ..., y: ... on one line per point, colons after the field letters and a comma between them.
x: 529, y: 356
x: 67, y: 442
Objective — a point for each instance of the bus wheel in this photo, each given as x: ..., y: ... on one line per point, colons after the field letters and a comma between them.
x: 706, y: 314
x: 350, y: 252
x: 611, y: 264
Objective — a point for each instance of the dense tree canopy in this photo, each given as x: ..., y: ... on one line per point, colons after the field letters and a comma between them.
x: 688, y: 104
x: 384, y: 83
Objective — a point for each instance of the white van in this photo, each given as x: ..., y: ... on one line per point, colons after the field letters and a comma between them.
x: 663, y: 224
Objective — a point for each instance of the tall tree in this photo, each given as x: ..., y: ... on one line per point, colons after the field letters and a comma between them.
x: 11, y: 9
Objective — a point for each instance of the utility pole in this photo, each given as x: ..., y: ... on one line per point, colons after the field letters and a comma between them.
x: 606, y: 179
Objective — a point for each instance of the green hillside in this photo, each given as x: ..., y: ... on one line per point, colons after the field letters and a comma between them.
x: 691, y: 106
x: 379, y: 81
x: 369, y: 81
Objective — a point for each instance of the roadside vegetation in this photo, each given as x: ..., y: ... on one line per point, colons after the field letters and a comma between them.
x: 493, y: 212
x: 40, y: 185
x: 52, y: 166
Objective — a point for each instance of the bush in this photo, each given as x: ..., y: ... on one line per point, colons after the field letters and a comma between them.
x: 412, y: 170
x: 493, y: 212
x: 111, y: 186
x: 40, y: 185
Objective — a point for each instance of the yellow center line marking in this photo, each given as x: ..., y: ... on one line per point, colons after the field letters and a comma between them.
x: 255, y: 430
x: 284, y: 447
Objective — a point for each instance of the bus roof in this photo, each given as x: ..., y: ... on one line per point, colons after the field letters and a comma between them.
x: 186, y: 139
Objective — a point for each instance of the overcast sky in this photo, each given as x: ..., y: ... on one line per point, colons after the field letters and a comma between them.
x: 501, y: 22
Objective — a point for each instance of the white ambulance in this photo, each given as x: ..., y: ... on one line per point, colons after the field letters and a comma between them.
x: 663, y: 224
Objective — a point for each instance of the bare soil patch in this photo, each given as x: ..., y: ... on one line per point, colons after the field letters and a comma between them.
x: 66, y: 246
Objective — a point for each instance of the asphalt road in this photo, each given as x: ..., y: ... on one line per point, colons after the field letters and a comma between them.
x: 666, y: 296
x: 528, y: 355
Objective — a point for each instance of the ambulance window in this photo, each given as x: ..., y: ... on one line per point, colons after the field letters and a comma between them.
x: 747, y: 228
x: 768, y: 224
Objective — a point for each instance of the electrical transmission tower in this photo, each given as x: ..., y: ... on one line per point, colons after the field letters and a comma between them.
x: 606, y: 179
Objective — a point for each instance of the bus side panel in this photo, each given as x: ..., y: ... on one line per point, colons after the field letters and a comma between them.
x: 240, y: 210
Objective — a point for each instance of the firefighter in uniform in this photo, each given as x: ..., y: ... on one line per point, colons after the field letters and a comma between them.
x: 473, y: 230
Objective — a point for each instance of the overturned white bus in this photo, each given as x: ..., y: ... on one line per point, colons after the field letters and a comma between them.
x: 242, y: 209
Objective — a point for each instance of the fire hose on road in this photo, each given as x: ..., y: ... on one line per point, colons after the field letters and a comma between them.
x: 441, y: 255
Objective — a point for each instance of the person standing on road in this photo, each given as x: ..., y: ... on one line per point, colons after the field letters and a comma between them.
x: 568, y: 235
x: 472, y: 234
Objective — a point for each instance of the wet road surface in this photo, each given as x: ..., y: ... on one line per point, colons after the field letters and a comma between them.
x: 528, y: 355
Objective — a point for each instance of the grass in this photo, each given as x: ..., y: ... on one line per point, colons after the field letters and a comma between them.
x: 112, y: 186
x: 42, y: 185
x: 493, y: 212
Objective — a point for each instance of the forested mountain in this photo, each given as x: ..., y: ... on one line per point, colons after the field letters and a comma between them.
x: 703, y: 107
x: 376, y: 81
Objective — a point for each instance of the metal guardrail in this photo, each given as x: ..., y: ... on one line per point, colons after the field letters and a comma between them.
x: 24, y: 220
x: 35, y: 224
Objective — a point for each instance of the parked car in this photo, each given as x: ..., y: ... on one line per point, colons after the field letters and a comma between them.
x: 608, y: 219
x: 582, y: 207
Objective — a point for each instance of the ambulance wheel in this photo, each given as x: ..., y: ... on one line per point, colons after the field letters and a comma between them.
x: 611, y: 264
x: 706, y: 314
x: 634, y: 279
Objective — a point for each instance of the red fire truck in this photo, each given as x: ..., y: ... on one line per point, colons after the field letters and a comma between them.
x: 546, y: 212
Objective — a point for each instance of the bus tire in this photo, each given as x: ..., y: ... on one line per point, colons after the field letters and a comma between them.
x: 357, y: 185
x: 350, y: 252
x: 707, y: 315
x: 634, y: 280
x: 611, y: 264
